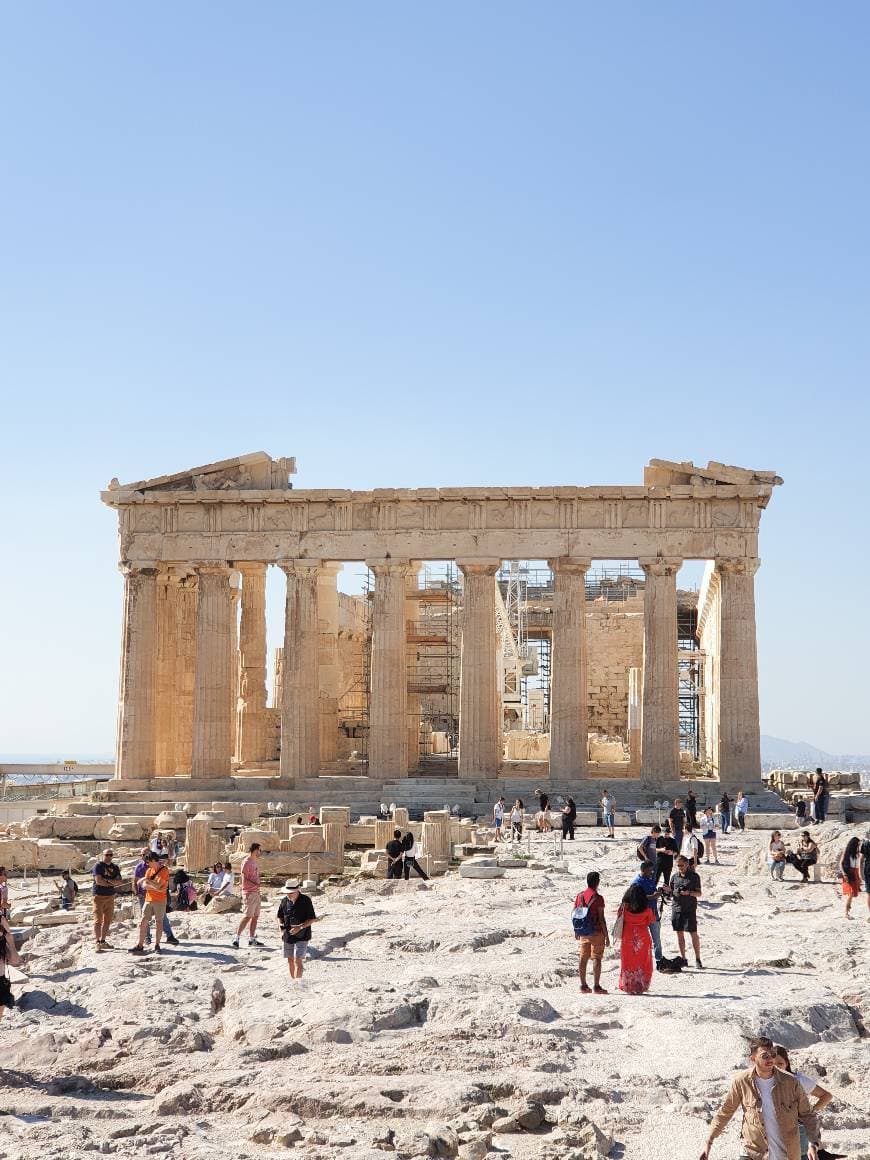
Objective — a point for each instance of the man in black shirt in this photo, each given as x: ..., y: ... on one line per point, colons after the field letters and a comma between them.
x: 295, y: 916
x: 692, y: 809
x: 678, y: 821
x: 395, y: 855
x: 107, y: 879
x: 685, y: 892
x: 666, y: 851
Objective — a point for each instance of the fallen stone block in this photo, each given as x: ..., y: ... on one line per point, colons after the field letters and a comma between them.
x: 18, y: 853
x: 229, y: 904
x: 51, y: 855
x: 481, y: 866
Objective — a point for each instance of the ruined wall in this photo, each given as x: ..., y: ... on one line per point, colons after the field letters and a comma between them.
x: 614, y: 636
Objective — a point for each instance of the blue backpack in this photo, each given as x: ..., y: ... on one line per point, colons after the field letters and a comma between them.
x: 583, y: 920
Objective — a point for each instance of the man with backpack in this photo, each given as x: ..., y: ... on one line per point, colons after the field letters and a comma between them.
x: 646, y: 847
x: 590, y: 930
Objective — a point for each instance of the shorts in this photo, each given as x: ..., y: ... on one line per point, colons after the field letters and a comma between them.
x: 688, y: 923
x: 591, y: 946
x: 709, y: 836
x: 295, y: 950
x: 155, y: 910
x: 252, y: 904
x: 608, y: 820
x: 498, y: 822
x: 104, y: 907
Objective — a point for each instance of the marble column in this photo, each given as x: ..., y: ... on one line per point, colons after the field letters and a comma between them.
x: 388, y: 703
x: 251, y: 747
x: 235, y: 597
x: 215, y: 675
x: 568, y: 694
x: 328, y: 671
x: 300, y: 688
x: 635, y: 718
x: 164, y: 717
x: 186, y: 586
x: 135, y: 752
x: 660, y: 730
x: 480, y: 725
x: 739, y: 728
x: 412, y: 608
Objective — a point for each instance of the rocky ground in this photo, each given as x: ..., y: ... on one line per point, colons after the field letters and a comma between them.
x: 438, y: 1020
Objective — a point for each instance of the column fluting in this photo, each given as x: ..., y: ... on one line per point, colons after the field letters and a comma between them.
x: 388, y: 705
x: 568, y: 693
x: 660, y: 730
x: 300, y: 689
x: 135, y: 751
x: 480, y: 725
x: 214, y: 677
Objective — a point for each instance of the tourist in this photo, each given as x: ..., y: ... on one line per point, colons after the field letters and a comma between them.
x: 156, y: 887
x: 313, y: 818
x: 848, y: 866
x: 569, y: 818
x: 183, y: 891
x: 608, y: 812
x: 543, y: 800
x: 251, y: 900
x: 666, y: 851
x: 139, y: 871
x: 158, y: 844
x: 864, y: 854
x: 645, y: 881
x: 806, y: 855
x: 646, y: 847
x: 776, y: 852
x: 677, y: 818
x: 219, y: 883
x: 685, y: 890
x: 591, y: 933
x: 741, y: 808
x: 692, y: 809
x: 409, y: 858
x: 107, y: 879
x: 800, y: 810
x: 542, y: 822
x: 810, y: 1086
x: 774, y: 1106
x: 690, y: 847
x: 708, y: 835
x: 498, y: 817
x: 9, y: 956
x: 820, y: 795
x: 395, y: 855
x: 68, y: 890
x: 295, y: 916
x: 517, y: 820
x: 724, y: 812
x: 635, y: 948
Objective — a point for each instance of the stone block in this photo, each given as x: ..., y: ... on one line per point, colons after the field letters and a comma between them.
x: 103, y: 826
x: 767, y: 821
x: 335, y: 814
x: 436, y: 816
x: 41, y: 826
x: 587, y: 818
x: 649, y: 817
x: 58, y: 918
x: 360, y: 834
x: 126, y: 832
x: 77, y: 806
x: 481, y: 866
x: 309, y: 840
x: 400, y: 817
x: 74, y: 827
x: 279, y: 864
x: 227, y: 904
x: 238, y: 813
x: 268, y: 840
x: 52, y: 855
x: 18, y: 853
x: 623, y: 818
x: 170, y: 820
x: 334, y: 834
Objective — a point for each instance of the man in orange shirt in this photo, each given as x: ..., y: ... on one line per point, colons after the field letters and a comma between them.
x: 156, y: 886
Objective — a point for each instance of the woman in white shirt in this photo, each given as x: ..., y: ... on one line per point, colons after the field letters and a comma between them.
x: 776, y: 855
x: 822, y: 1096
x: 220, y: 882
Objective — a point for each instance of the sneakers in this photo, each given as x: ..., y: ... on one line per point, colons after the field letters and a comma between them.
x: 684, y: 962
x: 698, y: 964
x: 157, y: 950
x: 137, y: 950
x: 585, y: 989
x: 253, y: 942
x: 173, y: 942
x: 235, y: 944
x: 106, y: 946
x: 600, y: 991
x: 100, y: 948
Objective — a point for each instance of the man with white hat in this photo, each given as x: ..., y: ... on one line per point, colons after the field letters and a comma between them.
x: 295, y: 916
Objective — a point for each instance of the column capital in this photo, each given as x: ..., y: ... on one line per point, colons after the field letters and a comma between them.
x: 148, y: 568
x: 660, y: 566
x: 211, y: 569
x: 250, y: 567
x: 389, y: 566
x: 738, y: 565
x: 303, y: 569
x: 570, y: 564
x: 481, y: 567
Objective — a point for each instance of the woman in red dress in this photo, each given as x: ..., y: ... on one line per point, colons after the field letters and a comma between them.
x: 635, y: 956
x: 849, y: 870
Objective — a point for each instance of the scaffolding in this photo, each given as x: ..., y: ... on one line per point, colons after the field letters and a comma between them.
x: 691, y: 670
x: 434, y: 642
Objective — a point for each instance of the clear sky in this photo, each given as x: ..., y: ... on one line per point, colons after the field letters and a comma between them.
x: 432, y: 244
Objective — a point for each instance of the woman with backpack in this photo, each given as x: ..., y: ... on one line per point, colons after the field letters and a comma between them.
x: 409, y: 845
x: 635, y: 948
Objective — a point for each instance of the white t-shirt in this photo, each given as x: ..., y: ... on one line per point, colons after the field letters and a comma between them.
x: 498, y: 811
x: 775, y: 1143
x: 806, y: 1081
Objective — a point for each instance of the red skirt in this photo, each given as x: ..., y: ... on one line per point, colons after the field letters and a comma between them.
x: 635, y: 957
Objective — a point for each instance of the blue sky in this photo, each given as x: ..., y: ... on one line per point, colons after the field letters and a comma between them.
x: 432, y: 244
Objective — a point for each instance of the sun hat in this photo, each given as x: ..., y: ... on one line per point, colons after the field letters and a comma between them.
x: 291, y: 884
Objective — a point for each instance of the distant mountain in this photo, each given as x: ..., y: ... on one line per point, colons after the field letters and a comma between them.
x: 776, y: 752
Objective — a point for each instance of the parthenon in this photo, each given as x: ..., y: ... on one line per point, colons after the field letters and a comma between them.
x: 194, y: 551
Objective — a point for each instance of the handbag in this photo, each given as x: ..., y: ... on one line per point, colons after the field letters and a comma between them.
x: 616, y: 932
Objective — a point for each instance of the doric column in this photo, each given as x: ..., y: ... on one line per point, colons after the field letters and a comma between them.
x: 412, y: 608
x: 186, y: 587
x: 327, y: 616
x: 660, y: 729
x: 135, y: 753
x: 214, y: 679
x: 235, y: 597
x: 251, y: 739
x: 480, y: 726
x: 388, y: 704
x: 635, y: 717
x: 568, y: 694
x: 739, y: 728
x: 164, y: 716
x: 300, y: 689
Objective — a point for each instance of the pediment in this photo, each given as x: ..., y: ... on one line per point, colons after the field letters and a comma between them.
x: 664, y: 472
x: 255, y: 472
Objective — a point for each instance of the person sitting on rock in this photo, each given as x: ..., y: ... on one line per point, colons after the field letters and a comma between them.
x: 806, y: 855
x: 219, y: 883
x: 68, y: 891
x: 776, y: 855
